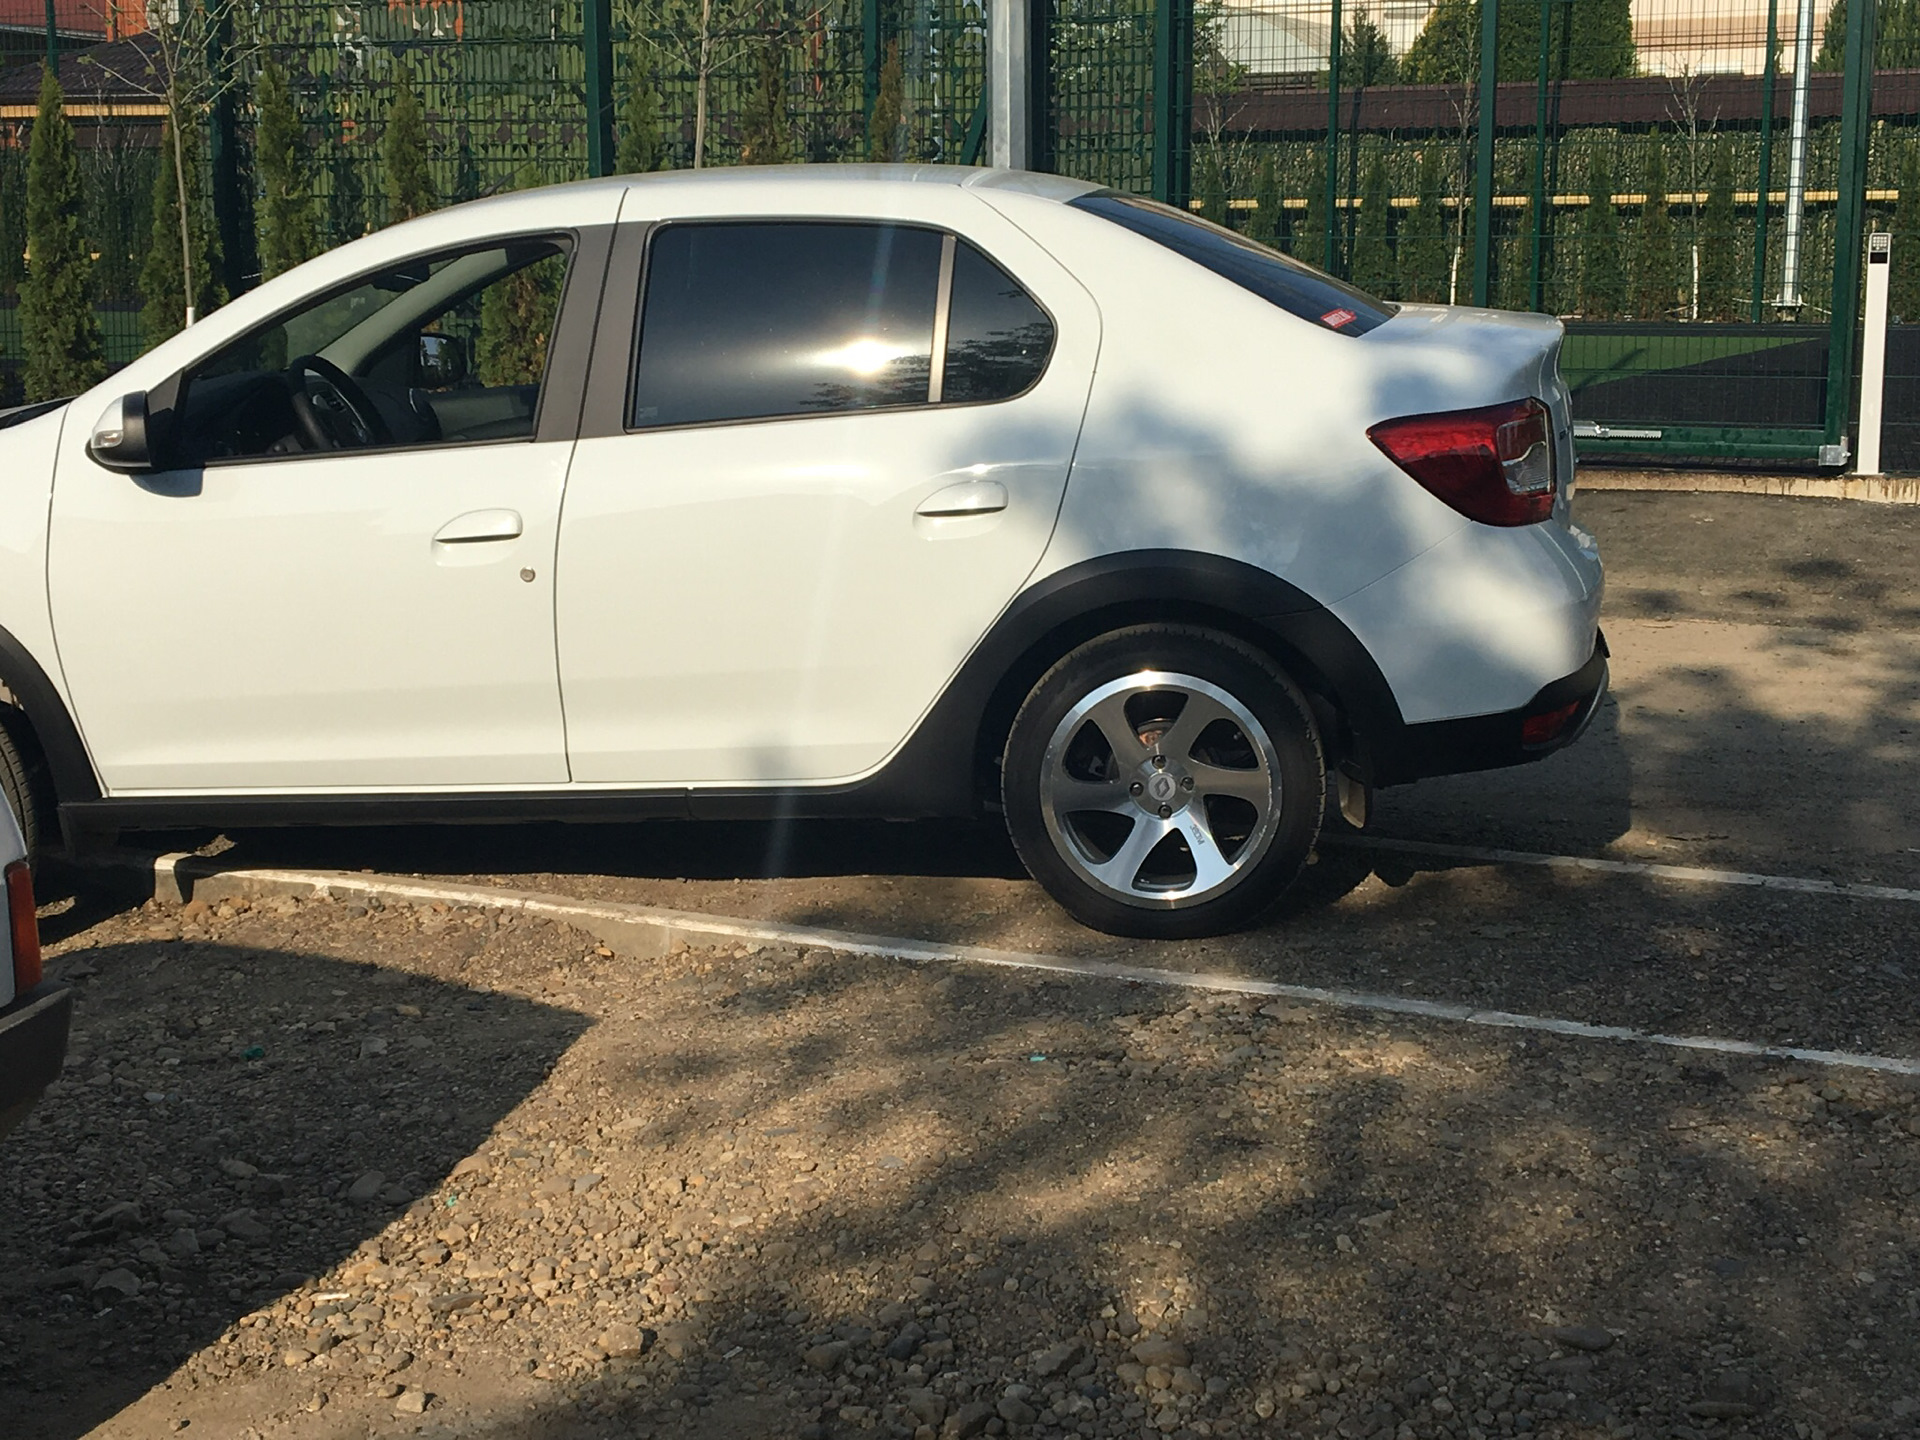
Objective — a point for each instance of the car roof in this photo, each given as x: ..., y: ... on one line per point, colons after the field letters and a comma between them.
x: 851, y: 179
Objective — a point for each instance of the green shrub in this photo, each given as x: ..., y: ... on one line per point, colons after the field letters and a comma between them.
x: 64, y: 352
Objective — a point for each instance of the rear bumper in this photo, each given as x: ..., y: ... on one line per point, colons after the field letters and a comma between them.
x: 1491, y: 742
x: 33, y: 1046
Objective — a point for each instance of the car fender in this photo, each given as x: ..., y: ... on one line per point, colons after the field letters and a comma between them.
x: 29, y: 653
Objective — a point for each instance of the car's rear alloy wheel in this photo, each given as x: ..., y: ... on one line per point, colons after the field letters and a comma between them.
x: 1164, y: 781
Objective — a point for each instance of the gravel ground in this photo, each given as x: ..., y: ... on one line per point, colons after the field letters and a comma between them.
x: 324, y: 1171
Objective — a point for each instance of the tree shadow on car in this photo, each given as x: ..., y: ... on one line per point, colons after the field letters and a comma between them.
x: 233, y: 1122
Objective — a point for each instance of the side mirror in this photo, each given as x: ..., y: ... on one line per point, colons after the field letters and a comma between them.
x: 443, y: 362
x: 120, y: 436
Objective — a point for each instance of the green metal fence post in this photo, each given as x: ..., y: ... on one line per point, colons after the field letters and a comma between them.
x: 1769, y: 75
x: 231, y: 210
x: 1483, y: 161
x: 1536, y: 286
x: 1172, y: 98
x: 597, y: 39
x: 1333, y: 143
x: 53, y: 40
x: 870, y: 47
x: 1856, y: 133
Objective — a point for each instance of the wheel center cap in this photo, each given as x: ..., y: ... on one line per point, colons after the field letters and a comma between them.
x: 1162, y: 787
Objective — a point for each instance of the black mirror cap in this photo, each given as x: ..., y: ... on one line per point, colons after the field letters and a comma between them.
x: 120, y: 436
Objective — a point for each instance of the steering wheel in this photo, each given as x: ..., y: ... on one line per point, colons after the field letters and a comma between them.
x: 336, y: 414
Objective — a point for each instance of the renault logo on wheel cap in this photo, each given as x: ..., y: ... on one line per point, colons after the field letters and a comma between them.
x: 1162, y: 787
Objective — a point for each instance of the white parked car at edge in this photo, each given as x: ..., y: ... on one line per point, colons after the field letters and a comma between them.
x: 896, y: 492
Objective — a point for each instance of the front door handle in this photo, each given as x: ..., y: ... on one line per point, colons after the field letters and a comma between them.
x: 969, y: 497
x: 478, y: 526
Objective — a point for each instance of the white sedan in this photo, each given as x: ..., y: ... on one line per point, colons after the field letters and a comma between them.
x: 895, y: 492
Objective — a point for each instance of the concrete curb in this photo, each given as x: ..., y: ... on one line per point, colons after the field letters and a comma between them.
x: 1877, y: 489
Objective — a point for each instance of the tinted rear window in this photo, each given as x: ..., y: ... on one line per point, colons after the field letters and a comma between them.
x: 757, y: 320
x: 1296, y: 288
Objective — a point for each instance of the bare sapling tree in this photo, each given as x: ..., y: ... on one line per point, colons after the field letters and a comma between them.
x: 1687, y: 108
x: 175, y: 65
x: 703, y: 39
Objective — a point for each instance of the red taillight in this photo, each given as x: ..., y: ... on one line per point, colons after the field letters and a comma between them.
x: 1541, y: 729
x: 1494, y: 465
x: 23, y: 926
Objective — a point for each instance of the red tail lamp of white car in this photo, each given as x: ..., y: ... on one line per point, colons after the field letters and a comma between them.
x: 807, y: 491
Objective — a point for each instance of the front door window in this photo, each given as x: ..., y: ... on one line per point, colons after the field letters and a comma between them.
x: 444, y: 350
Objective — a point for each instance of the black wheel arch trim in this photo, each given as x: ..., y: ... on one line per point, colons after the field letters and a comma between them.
x: 52, y: 722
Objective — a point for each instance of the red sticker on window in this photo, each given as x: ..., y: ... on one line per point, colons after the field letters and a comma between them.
x: 1334, y: 319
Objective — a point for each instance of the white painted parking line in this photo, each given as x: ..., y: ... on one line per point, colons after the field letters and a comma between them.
x: 666, y: 926
x: 1686, y: 874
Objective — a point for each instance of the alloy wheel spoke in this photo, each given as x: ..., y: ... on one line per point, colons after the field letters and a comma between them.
x: 1069, y: 795
x: 1209, y: 865
x: 1110, y: 717
x: 1253, y: 786
x: 1122, y: 869
x: 1195, y: 716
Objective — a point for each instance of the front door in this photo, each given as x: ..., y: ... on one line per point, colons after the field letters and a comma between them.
x: 344, y: 579
x: 843, y: 449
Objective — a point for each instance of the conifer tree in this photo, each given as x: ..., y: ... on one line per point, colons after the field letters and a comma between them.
x: 1654, y: 272
x: 1903, y: 299
x: 284, y: 220
x: 1721, y: 260
x: 886, y: 129
x: 64, y: 352
x: 13, y: 223
x: 764, y: 128
x: 1372, y: 268
x: 1423, y: 245
x: 640, y: 149
x: 515, y: 315
x: 1600, y: 46
x: 162, y: 287
x: 1212, y: 186
x: 468, y: 182
x: 1266, y: 224
x: 1513, y: 270
x: 346, y: 190
x: 1603, y: 281
x: 1447, y: 49
x: 1365, y: 56
x: 403, y: 154
x: 1310, y: 235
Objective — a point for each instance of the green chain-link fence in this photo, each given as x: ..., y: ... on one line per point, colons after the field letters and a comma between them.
x: 1640, y: 167
x: 1632, y: 167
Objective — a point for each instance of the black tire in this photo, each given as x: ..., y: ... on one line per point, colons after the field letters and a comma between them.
x: 26, y: 784
x: 1058, y: 747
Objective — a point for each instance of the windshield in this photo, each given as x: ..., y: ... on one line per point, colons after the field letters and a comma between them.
x: 1297, y: 288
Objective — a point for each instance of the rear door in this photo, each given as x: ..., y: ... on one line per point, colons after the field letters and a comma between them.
x: 834, y: 449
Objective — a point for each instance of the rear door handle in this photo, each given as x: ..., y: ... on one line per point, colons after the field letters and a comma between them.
x: 479, y: 526
x: 969, y: 497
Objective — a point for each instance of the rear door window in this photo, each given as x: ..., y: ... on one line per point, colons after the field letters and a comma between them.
x: 1297, y: 288
x: 757, y: 320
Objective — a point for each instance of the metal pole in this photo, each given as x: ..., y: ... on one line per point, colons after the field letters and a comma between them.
x: 53, y: 41
x: 1166, y: 106
x: 230, y: 201
x: 1790, y: 298
x: 1873, y: 353
x: 1333, y: 144
x: 1483, y: 165
x: 1009, y: 84
x: 1771, y: 75
x: 870, y: 70
x: 1537, y: 285
x: 597, y: 41
x: 1849, y: 223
